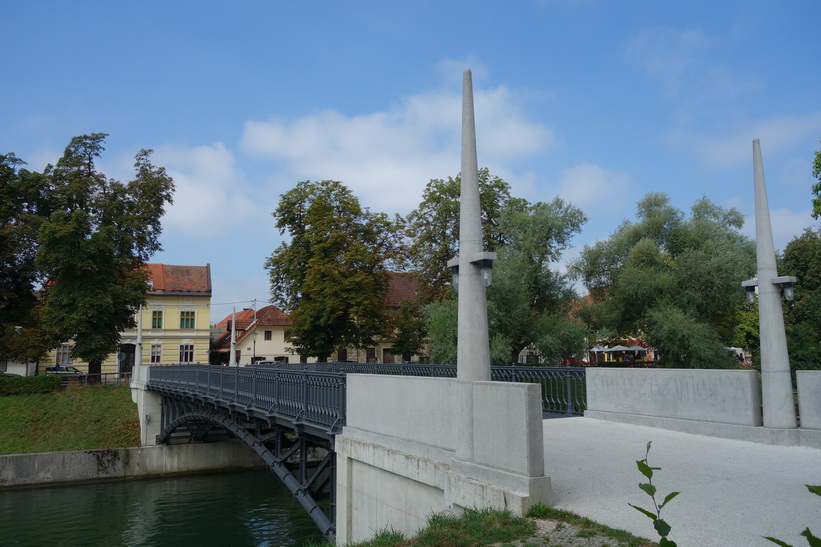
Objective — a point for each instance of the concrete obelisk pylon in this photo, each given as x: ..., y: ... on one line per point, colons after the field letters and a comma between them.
x: 776, y: 381
x: 473, y: 352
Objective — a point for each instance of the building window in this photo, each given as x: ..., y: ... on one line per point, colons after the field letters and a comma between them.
x: 267, y: 335
x: 186, y: 320
x: 156, y: 353
x: 187, y: 353
x: 65, y: 354
x: 156, y: 319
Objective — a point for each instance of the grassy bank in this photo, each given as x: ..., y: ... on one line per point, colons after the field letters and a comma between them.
x: 76, y: 418
x: 544, y: 527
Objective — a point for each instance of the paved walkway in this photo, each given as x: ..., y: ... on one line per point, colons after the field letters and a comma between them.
x: 732, y: 492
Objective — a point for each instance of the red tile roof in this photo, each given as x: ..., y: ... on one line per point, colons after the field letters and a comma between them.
x: 402, y: 286
x: 269, y: 316
x: 180, y: 279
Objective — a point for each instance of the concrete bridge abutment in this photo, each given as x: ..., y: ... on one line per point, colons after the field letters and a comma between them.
x: 397, y: 458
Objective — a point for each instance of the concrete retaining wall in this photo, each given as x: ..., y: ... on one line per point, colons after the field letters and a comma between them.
x: 396, y: 456
x: 125, y: 463
x: 718, y: 403
x: 718, y: 396
x: 809, y: 398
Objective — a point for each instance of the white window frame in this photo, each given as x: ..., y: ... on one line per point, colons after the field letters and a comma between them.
x: 156, y: 353
x: 186, y: 353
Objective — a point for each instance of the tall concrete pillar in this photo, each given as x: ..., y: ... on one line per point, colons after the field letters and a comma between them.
x: 776, y: 382
x: 473, y: 352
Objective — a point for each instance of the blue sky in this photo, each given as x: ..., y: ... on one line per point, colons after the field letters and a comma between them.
x: 596, y: 101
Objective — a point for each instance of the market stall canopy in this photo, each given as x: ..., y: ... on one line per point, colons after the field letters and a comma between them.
x: 619, y: 348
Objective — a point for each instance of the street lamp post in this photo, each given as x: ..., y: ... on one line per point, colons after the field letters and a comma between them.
x: 776, y: 380
x: 471, y: 270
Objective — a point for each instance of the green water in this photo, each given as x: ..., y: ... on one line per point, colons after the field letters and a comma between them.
x: 231, y: 509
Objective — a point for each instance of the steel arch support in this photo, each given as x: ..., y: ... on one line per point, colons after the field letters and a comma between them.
x: 203, y: 418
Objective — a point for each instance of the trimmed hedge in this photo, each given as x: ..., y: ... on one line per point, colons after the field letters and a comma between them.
x: 28, y: 385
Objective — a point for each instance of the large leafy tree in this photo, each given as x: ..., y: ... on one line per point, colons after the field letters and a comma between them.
x: 409, y: 328
x: 332, y: 277
x: 529, y: 301
x: 434, y: 227
x: 24, y: 204
x: 802, y: 259
x: 816, y: 189
x: 671, y: 279
x: 94, y: 245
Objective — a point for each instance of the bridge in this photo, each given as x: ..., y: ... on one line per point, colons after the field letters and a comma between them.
x: 290, y: 415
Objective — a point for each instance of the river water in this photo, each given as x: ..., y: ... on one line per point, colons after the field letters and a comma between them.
x: 227, y: 509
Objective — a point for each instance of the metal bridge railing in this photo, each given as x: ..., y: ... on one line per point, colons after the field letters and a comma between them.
x: 563, y: 388
x: 303, y: 397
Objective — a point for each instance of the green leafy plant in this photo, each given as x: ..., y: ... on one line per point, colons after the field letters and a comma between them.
x: 29, y: 385
x: 812, y: 540
x: 649, y: 488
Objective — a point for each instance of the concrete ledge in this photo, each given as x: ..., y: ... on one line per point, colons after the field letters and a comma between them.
x: 809, y: 398
x: 720, y: 396
x: 763, y: 435
x: 124, y: 463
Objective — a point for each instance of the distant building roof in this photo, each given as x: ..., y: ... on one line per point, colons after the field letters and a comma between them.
x: 191, y: 280
x: 269, y: 316
x: 402, y: 286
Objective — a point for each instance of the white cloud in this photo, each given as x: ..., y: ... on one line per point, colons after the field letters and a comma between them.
x: 776, y: 134
x: 667, y: 54
x: 386, y: 158
x: 596, y: 190
x: 210, y: 193
x: 786, y: 225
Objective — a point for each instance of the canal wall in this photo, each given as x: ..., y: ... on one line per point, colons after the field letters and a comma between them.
x: 125, y: 463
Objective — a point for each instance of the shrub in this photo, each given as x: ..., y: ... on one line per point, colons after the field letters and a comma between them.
x: 29, y: 385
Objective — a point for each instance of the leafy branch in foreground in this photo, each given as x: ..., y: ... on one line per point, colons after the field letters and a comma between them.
x: 812, y: 540
x: 659, y: 524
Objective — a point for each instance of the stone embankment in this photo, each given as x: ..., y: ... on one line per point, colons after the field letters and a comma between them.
x: 19, y: 470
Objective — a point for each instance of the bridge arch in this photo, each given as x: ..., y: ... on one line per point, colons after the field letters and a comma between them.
x: 303, y: 461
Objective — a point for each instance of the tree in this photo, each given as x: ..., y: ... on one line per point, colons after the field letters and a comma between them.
x: 671, y: 279
x: 434, y: 227
x: 93, y: 248
x: 529, y: 301
x: 24, y: 204
x: 332, y: 278
x: 409, y: 328
x: 816, y: 189
x: 802, y: 259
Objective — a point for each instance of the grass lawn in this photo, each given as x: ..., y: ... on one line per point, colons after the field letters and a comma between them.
x: 74, y: 418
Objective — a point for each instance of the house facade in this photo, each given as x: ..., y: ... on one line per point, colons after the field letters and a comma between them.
x: 175, y: 323
x: 261, y: 335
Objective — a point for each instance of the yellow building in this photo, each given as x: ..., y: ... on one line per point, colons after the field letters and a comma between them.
x: 175, y: 323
